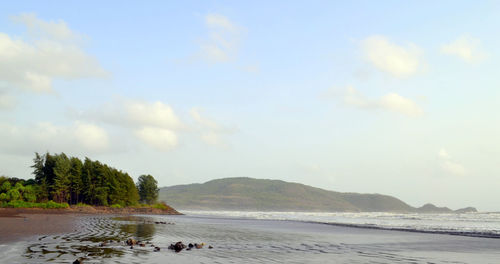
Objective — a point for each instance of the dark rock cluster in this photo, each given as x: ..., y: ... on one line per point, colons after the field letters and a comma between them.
x: 179, y: 246
x: 158, y: 222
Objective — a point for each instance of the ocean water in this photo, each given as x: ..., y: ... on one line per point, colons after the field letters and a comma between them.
x: 279, y: 237
x: 471, y: 224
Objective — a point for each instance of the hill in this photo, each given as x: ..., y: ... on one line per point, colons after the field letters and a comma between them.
x: 275, y: 195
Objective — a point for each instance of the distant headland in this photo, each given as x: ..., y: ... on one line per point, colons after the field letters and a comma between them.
x: 248, y: 194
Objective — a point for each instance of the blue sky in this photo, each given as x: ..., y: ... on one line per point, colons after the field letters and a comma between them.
x: 391, y: 97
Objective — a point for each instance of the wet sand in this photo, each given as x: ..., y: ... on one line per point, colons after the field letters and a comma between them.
x: 18, y: 224
x: 21, y: 224
x: 101, y: 239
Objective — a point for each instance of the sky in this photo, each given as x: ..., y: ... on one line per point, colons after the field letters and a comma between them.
x: 393, y: 97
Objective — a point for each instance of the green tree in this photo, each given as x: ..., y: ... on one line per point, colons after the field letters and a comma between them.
x: 19, y: 186
x: 29, y: 194
x: 48, y: 174
x: 38, y: 167
x: 148, y: 189
x: 68, y: 179
x: 3, y: 197
x: 132, y: 194
x: 13, y: 195
x: 75, y: 177
x: 2, y: 180
x: 5, y: 186
x: 61, y: 186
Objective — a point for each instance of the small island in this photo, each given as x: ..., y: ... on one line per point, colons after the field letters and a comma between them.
x: 70, y: 185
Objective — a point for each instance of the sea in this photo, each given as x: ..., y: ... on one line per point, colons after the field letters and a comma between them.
x: 269, y: 237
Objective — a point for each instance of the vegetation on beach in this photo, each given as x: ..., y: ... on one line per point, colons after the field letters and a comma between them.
x: 46, y: 205
x: 61, y: 181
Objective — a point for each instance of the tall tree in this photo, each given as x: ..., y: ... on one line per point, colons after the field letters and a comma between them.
x: 38, y: 165
x: 42, y: 188
x: 75, y: 177
x: 48, y: 173
x: 148, y: 189
x: 61, y: 186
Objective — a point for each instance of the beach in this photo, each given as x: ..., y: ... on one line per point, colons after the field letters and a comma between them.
x: 22, y: 223
x: 18, y: 224
x: 63, y: 238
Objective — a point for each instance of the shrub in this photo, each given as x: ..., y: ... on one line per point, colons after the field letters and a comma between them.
x: 13, y: 195
x: 19, y: 186
x: 17, y: 204
x: 23, y: 204
x: 116, y: 206
x: 3, y: 197
x: 5, y: 187
x: 29, y: 197
x: 29, y: 194
x: 162, y: 206
x: 52, y: 205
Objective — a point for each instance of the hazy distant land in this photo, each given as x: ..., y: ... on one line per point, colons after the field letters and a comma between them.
x: 276, y: 195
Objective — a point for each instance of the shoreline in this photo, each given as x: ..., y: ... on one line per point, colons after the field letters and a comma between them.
x: 102, y: 239
x: 13, y: 212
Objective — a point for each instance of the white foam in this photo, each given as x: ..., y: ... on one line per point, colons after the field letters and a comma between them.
x: 467, y: 223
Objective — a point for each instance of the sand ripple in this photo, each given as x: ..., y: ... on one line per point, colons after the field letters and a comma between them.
x: 234, y: 242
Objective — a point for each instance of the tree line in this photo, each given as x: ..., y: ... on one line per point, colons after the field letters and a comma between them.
x: 70, y: 180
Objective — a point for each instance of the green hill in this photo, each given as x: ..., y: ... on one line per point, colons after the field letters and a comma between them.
x: 275, y: 195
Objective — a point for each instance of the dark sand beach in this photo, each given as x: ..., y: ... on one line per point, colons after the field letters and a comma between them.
x: 19, y: 224
x: 62, y: 238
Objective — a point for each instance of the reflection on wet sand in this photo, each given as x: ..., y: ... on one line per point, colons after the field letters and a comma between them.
x: 144, y: 240
x: 95, y: 238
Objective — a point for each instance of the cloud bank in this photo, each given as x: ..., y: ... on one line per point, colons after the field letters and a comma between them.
x: 46, y: 136
x: 50, y: 51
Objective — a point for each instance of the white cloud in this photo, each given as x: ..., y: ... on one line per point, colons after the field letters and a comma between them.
x: 223, y: 39
x: 134, y: 113
x: 158, y: 138
x: 49, y: 137
x: 392, y: 102
x: 156, y: 124
x: 386, y: 56
x: 155, y: 114
x: 210, y: 131
x: 153, y: 123
x: 448, y: 165
x: 91, y: 136
x: 58, y: 30
x: 466, y: 48
x: 444, y: 154
x: 49, y: 52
